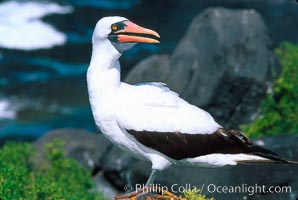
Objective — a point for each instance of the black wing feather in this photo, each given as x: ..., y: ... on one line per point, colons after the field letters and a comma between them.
x: 182, y: 145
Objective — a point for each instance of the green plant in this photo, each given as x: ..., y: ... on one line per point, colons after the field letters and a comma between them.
x: 195, y: 195
x: 280, y: 107
x: 63, y: 179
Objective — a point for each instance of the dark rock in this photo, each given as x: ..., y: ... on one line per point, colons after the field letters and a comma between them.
x: 223, y: 64
x: 105, y: 187
x: 150, y: 69
x: 116, y: 164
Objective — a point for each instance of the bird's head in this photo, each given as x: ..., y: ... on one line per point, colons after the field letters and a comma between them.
x: 122, y: 33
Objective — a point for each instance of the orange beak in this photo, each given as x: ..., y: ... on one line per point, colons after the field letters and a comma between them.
x: 133, y: 33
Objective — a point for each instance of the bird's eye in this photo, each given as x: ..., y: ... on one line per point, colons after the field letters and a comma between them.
x: 114, y: 27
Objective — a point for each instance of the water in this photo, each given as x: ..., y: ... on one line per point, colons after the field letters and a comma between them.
x: 22, y: 27
x: 42, y: 79
x: 45, y: 47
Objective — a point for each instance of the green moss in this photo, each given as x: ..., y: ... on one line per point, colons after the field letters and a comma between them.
x: 63, y: 179
x: 280, y: 107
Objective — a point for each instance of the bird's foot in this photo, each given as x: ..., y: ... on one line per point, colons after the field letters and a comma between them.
x: 149, y: 193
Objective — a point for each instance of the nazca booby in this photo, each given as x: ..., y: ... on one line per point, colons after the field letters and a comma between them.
x: 149, y: 119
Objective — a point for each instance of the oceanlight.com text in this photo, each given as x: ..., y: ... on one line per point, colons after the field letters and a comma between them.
x: 249, y: 189
x: 213, y: 188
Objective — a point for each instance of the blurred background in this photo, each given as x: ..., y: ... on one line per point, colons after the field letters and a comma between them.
x: 226, y: 56
x: 45, y: 48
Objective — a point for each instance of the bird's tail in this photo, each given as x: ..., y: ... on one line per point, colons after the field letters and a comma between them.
x: 275, y: 158
x: 240, y: 139
x: 270, y: 156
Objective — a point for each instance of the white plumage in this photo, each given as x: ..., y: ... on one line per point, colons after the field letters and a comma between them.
x: 153, y: 107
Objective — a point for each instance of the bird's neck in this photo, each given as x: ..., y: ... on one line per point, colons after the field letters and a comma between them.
x: 103, y: 76
x: 104, y: 55
x: 104, y: 69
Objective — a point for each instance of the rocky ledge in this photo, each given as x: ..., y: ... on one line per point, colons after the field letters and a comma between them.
x: 113, y: 168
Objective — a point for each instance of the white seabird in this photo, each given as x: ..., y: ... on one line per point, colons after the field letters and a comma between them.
x: 149, y: 119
